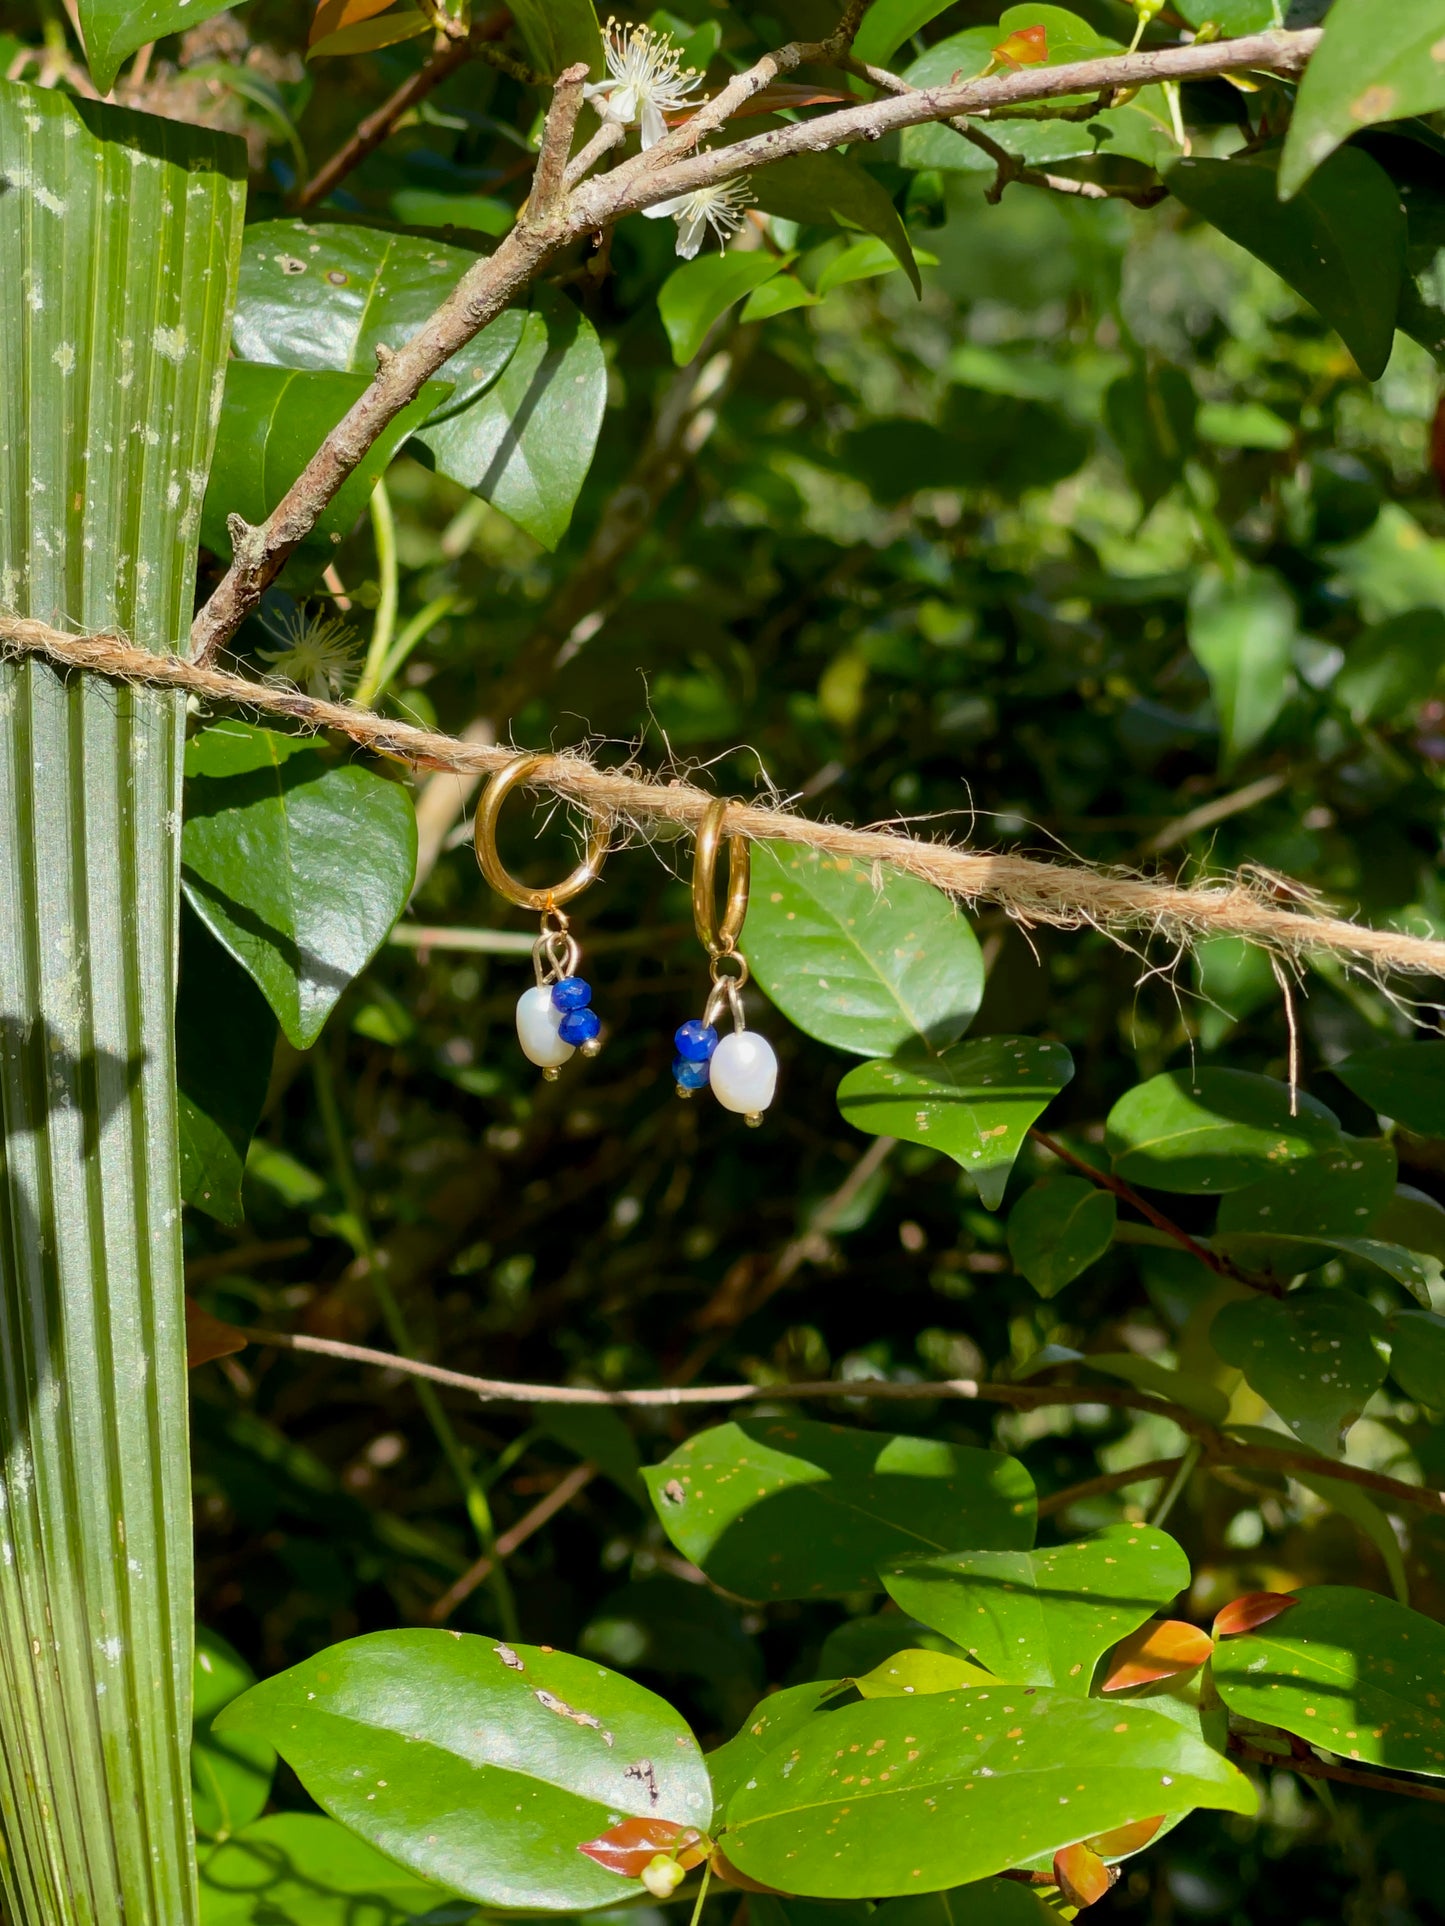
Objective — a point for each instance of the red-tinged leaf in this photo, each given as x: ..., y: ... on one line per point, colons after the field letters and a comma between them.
x: 1125, y: 1839
x: 1161, y: 1649
x: 332, y: 15
x: 631, y: 1846
x: 1254, y: 1608
x: 1026, y: 48
x: 772, y: 100
x: 1437, y: 444
x: 1082, y: 1875
x: 207, y: 1337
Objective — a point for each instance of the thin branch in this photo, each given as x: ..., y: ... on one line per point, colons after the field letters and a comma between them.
x: 1108, y: 1481
x: 662, y: 173
x: 1309, y: 1767
x: 542, y: 1513
x: 1217, y: 810
x: 549, y: 184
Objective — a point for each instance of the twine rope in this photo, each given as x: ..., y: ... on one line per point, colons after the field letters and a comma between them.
x: 1030, y: 889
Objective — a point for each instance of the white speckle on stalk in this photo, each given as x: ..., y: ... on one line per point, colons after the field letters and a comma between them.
x: 171, y: 342
x: 64, y: 358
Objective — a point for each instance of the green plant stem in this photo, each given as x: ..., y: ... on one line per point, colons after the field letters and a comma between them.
x: 416, y: 630
x: 473, y: 1493
x: 383, y: 524
x: 1175, y: 1491
x: 701, y: 1892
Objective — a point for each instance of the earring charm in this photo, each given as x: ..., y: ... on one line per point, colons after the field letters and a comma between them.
x: 740, y: 1068
x: 555, y: 1017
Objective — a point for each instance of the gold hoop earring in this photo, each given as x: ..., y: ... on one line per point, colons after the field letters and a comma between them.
x: 741, y: 1068
x: 555, y: 1017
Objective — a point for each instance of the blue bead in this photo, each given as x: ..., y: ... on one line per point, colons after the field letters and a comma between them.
x: 695, y: 1040
x: 571, y: 993
x: 688, y: 1075
x: 579, y: 1026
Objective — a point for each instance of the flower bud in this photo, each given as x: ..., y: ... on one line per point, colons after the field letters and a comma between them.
x: 662, y: 1876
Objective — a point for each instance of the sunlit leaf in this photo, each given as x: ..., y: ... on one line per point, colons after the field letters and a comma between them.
x: 1253, y: 1609
x: 1213, y: 1131
x: 1026, y: 48
x: 1315, y: 1356
x: 1058, y: 1228
x: 1162, y: 1649
x: 1081, y: 1875
x: 1375, y: 63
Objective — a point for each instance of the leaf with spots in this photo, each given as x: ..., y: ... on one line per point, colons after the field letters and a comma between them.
x: 974, y: 1102
x: 893, y: 1796
x: 916, y: 1671
x: 1315, y: 1356
x: 786, y: 1508
x: 1375, y: 63
x: 864, y: 962
x: 479, y: 1766
x: 1212, y: 1131
x: 985, y: 1902
x: 778, y: 1717
x: 1337, y: 1193
x: 1058, y: 1228
x: 115, y: 29
x: 1044, y: 1617
x: 1349, y: 1671
x: 1417, y: 1356
x: 1403, y: 1081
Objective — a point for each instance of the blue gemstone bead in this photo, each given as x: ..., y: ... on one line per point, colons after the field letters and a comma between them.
x: 695, y: 1040
x: 688, y: 1075
x: 579, y: 1026
x: 571, y: 993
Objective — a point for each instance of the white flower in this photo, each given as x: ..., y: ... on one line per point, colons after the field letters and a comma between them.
x: 720, y: 208
x: 319, y: 655
x: 645, y: 80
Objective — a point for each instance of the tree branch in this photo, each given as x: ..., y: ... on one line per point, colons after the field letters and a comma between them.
x: 542, y: 1513
x: 549, y: 183
x: 491, y: 285
x: 1108, y: 1481
x: 1309, y: 1767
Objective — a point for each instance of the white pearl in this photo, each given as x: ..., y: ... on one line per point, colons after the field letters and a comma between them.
x: 538, y: 1019
x: 743, y: 1072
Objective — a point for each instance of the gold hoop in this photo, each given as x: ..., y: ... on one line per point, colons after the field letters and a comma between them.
x: 719, y: 939
x: 484, y: 839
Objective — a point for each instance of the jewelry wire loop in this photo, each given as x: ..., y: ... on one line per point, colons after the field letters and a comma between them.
x: 484, y: 839
x: 719, y: 939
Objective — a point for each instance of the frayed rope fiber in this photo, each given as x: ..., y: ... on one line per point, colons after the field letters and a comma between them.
x: 1065, y: 895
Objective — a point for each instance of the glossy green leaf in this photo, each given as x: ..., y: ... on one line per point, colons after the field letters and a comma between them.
x: 369, y: 36
x: 974, y: 1102
x: 1315, y: 1356
x: 779, y: 296
x: 476, y: 1764
x: 1058, y: 1228
x: 1234, y: 17
x: 479, y: 213
x: 1242, y: 634
x: 779, y: 1716
x: 888, y: 23
x: 860, y: 961
x: 1037, y: 143
x: 230, y: 1778
x: 1375, y: 63
x: 1179, y: 1387
x: 786, y: 1508
x: 595, y: 1432
x: 989, y: 1902
x: 1346, y: 1670
x: 889, y: 1796
x: 1340, y: 243
x: 1403, y: 1081
x: 272, y: 422
x: 1413, y: 1221
x: 1338, y: 1192
x: 1212, y: 1131
x: 1417, y: 1356
x: 222, y: 1071
x: 114, y: 29
x: 1394, y: 667
x: 526, y: 445
x: 559, y: 33
x: 299, y: 1869
x: 1286, y: 1257
x: 1044, y: 1617
x: 700, y: 292
x: 917, y: 1670
x: 297, y: 866
x: 814, y: 188
x: 861, y: 1645
x: 119, y: 237
x: 1151, y: 412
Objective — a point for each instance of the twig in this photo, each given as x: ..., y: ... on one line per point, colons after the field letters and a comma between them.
x: 662, y: 173
x: 1217, y: 810
x: 1063, y: 895
x: 1108, y: 1481
x: 1309, y: 1767
x: 542, y: 1513
x: 549, y: 184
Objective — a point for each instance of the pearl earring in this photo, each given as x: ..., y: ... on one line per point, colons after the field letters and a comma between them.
x: 741, y: 1068
x: 555, y: 1017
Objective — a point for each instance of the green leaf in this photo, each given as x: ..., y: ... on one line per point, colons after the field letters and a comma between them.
x: 814, y: 188
x: 861, y: 1645
x: 1242, y: 633
x: 481, y: 213
x: 890, y: 1795
x: 298, y: 867
x: 1393, y: 668
x: 526, y: 445
x: 1036, y: 143
x: 1058, y: 1228
x: 114, y: 29
x: 1316, y: 1357
x: 987, y: 441
x: 785, y: 1508
x: 1287, y: 1257
x: 119, y: 237
x: 1212, y: 1131
x: 1403, y: 1081
x: 1340, y: 243
x: 1151, y: 414
x: 1233, y: 17
x: 369, y: 36
x: 1346, y: 1670
x: 888, y: 23
x: 1375, y: 63
x: 558, y: 33
x: 272, y: 422
x: 864, y: 962
x: 779, y: 1716
x: 1417, y: 1356
x: 1235, y: 979
x: 918, y: 1670
x: 1413, y: 1221
x: 990, y: 1902
x: 1180, y: 1387
x: 230, y: 1778
x: 223, y: 1069
x: 975, y: 1102
x: 1339, y: 1192
x: 479, y: 1765
x: 1044, y: 1617
x: 298, y: 1869
x: 1244, y: 424
x: 700, y: 292
x: 599, y: 1434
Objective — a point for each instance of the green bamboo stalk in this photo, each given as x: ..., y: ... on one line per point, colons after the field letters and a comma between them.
x: 119, y: 243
